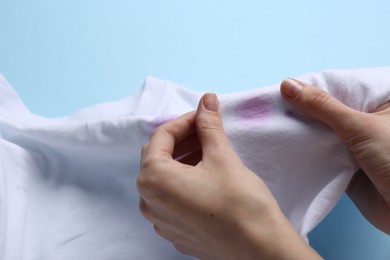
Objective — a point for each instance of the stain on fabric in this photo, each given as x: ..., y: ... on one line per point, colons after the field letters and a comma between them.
x: 161, y: 120
x: 256, y: 109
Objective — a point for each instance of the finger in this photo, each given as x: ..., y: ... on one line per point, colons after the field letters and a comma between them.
x: 167, y: 135
x: 318, y: 104
x: 186, y: 146
x: 209, y: 126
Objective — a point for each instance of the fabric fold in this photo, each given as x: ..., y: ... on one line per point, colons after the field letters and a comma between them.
x: 68, y: 185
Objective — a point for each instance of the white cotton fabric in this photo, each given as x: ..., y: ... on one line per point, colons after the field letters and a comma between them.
x: 68, y: 185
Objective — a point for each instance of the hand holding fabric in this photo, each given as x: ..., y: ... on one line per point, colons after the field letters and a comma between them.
x: 206, y: 202
x: 367, y: 136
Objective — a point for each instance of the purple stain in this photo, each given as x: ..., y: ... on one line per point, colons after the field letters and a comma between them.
x: 256, y: 108
x: 156, y: 122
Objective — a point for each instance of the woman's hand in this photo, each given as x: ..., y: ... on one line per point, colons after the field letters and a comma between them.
x: 200, y: 196
x: 367, y: 136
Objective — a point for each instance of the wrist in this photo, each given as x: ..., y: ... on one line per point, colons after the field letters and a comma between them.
x: 271, y: 236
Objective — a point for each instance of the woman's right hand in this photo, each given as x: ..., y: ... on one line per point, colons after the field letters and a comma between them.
x: 368, y: 138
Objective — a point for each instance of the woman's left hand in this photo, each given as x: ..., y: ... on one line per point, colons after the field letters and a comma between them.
x: 199, y: 195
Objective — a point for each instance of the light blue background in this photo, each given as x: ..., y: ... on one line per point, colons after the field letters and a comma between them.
x: 62, y: 55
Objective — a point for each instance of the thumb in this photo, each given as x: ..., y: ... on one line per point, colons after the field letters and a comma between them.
x: 318, y: 104
x: 209, y: 126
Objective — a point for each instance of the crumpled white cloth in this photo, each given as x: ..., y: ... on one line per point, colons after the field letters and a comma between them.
x: 68, y: 185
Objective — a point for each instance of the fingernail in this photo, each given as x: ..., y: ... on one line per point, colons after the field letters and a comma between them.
x: 291, y: 87
x: 210, y: 102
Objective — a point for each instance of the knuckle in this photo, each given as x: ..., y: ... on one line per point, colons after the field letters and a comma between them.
x: 210, y: 123
x: 142, y: 183
x: 318, y: 99
x: 148, y: 164
x: 144, y: 209
x: 152, y: 178
x: 146, y: 178
x: 146, y: 183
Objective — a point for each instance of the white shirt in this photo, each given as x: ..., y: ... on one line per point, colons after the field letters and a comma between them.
x: 68, y: 185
